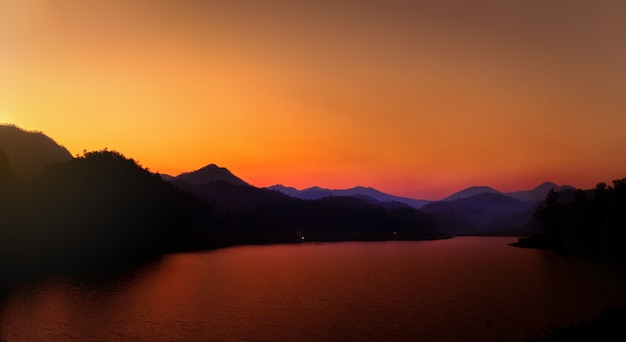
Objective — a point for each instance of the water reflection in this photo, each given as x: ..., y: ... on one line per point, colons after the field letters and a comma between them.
x: 475, y: 288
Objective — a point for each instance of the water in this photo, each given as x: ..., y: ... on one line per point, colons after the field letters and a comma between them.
x: 465, y: 288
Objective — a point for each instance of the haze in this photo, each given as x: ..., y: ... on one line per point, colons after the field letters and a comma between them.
x: 415, y: 99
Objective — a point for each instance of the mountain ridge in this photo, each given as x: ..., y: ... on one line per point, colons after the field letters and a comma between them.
x: 316, y: 192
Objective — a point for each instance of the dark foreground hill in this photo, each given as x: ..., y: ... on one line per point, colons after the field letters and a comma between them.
x: 588, y: 224
x: 96, y: 210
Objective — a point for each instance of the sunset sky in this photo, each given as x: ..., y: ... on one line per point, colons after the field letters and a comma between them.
x: 414, y: 98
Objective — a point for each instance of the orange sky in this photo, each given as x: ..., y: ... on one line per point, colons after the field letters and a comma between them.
x: 412, y: 98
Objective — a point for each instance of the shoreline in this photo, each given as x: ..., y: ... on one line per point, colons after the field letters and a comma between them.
x: 290, y: 240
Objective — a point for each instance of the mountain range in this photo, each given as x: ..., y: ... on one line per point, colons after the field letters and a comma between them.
x: 533, y: 195
x: 365, y: 193
x: 475, y: 210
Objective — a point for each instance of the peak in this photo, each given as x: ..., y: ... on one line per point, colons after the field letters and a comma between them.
x: 480, y: 187
x: 212, y: 167
x: 359, y: 187
x: 547, y: 184
x: 280, y: 186
x: 211, y: 173
x: 471, y: 191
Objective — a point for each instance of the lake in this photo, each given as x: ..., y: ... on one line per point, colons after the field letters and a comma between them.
x: 466, y: 288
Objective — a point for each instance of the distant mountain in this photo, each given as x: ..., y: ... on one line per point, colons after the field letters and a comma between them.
x: 486, y: 213
x: 482, y: 210
x: 209, y: 174
x: 471, y: 191
x: 359, y: 192
x: 536, y: 194
x: 29, y: 152
x: 539, y: 193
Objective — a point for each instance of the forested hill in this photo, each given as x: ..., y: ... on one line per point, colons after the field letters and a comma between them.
x: 98, y: 209
x: 584, y: 223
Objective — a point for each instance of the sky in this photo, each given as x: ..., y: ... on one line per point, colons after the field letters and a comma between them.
x: 414, y: 98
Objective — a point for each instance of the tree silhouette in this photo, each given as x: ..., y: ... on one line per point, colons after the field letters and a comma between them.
x: 590, y: 224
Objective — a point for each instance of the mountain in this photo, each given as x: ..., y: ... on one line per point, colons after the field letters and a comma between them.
x: 30, y: 152
x: 209, y: 174
x: 471, y: 191
x: 539, y: 193
x: 359, y: 192
x: 225, y: 195
x: 486, y: 213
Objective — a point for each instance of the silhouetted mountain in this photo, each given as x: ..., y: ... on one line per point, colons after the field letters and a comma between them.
x: 471, y: 191
x: 486, y: 213
x: 210, y: 173
x: 226, y: 195
x: 539, y: 193
x: 29, y: 152
x: 359, y: 191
